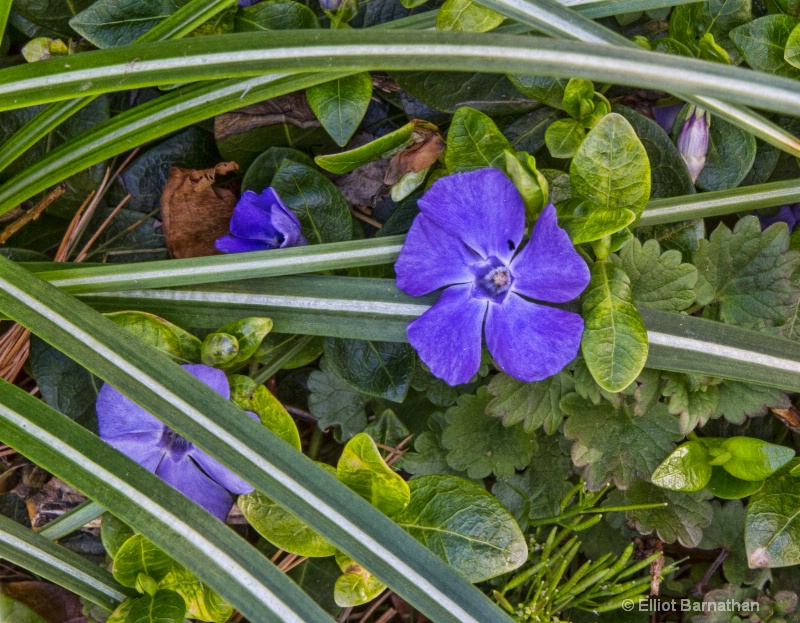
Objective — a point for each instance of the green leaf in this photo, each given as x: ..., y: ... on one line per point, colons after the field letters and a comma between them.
x: 730, y: 156
x: 250, y: 396
x: 772, y: 525
x: 564, y: 137
x: 283, y: 15
x: 113, y: 23
x: 51, y: 15
x: 669, y: 176
x: 357, y: 585
x: 260, y: 173
x: 219, y: 350
x: 481, y: 544
x: 547, y: 90
x: 363, y: 470
x: 614, y: 343
x: 13, y: 611
x: 482, y: 445
x: 347, y: 161
x: 335, y: 403
x: 201, y: 602
x: 727, y: 487
x: 474, y: 142
x: 747, y: 272
x: 249, y: 333
x: 585, y: 221
x: 693, y: 398
x: 534, y: 404
x: 281, y: 528
x: 381, y: 369
x: 611, y: 167
x: 762, y: 43
x: 139, y: 555
x: 727, y: 530
x: 658, y: 280
x: 165, y: 606
x: 792, y: 53
x: 467, y: 16
x: 682, y: 518
x: 114, y: 533
x: 739, y: 401
x: 754, y: 459
x: 340, y: 104
x: 429, y: 456
x: 159, y: 333
x: 613, y: 441
x: 686, y: 469
x: 314, y: 199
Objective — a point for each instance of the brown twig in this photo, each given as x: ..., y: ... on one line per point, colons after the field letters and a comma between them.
x: 375, y: 605
x: 363, y: 217
x: 32, y: 214
x: 84, y: 252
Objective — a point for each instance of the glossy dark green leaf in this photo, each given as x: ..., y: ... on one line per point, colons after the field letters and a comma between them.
x: 614, y: 343
x: 347, y: 161
x: 753, y: 459
x: 165, y: 606
x: 762, y: 43
x: 283, y: 15
x: 611, y: 167
x: 467, y: 16
x: 363, y: 470
x: 474, y: 142
x: 335, y: 403
x: 772, y: 525
x: 51, y: 15
x: 340, y: 104
x: 731, y: 153
x: 728, y: 487
x: 260, y: 173
x: 544, y: 89
x: 480, y: 545
x: 315, y: 200
x: 111, y: 23
x: 686, y: 469
x: 382, y: 369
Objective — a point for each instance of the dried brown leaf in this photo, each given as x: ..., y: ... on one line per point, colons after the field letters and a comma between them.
x: 291, y: 108
x: 416, y: 157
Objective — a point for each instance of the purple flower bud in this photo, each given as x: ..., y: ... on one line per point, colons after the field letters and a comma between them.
x: 693, y: 141
x: 330, y: 5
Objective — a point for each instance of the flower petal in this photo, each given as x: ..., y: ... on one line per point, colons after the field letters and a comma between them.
x: 232, y: 244
x: 285, y: 221
x: 448, y: 335
x: 530, y: 341
x: 118, y: 415
x: 219, y: 473
x: 212, y: 377
x: 482, y: 208
x: 252, y: 217
x: 186, y: 477
x: 549, y: 268
x: 431, y: 258
x: 144, y: 448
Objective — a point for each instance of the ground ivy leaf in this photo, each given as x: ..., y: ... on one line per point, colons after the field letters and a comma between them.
x: 465, y: 525
x: 613, y: 443
x: 772, y: 525
x: 694, y: 399
x: 534, y: 404
x: 748, y: 273
x: 739, y: 401
x: 335, y: 403
x: 482, y: 445
x: 682, y: 519
x: 537, y: 492
x: 611, y: 167
x: 474, y: 142
x: 340, y: 104
x: 467, y: 16
x: 614, y: 343
x: 316, y: 201
x: 381, y: 369
x: 429, y: 456
x: 658, y: 280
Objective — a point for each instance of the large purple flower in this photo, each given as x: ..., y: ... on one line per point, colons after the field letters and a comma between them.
x: 465, y: 240
x: 261, y: 222
x: 137, y: 434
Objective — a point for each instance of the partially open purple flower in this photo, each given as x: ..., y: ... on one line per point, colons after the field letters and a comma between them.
x: 465, y: 240
x: 693, y: 141
x: 137, y: 434
x: 261, y: 222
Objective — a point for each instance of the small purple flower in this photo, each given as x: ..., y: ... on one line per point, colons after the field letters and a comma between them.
x: 785, y: 214
x: 693, y: 141
x: 261, y: 222
x: 464, y: 240
x: 665, y: 115
x: 137, y: 434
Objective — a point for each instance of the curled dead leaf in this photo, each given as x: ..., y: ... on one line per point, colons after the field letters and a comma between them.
x: 417, y: 157
x: 194, y: 211
x: 291, y: 108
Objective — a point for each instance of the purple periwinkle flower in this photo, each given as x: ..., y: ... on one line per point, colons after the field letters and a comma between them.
x: 137, y: 434
x: 465, y: 240
x: 789, y: 214
x: 665, y: 115
x: 693, y: 141
x: 261, y: 222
